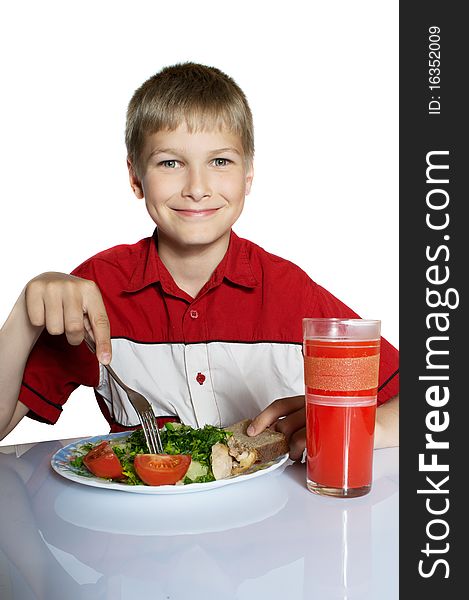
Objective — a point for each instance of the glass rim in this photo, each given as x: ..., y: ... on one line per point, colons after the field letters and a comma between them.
x: 357, y: 321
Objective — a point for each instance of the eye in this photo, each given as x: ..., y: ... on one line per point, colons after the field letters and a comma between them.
x: 221, y: 162
x: 169, y: 164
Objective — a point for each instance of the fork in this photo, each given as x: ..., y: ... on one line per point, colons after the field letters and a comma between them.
x: 141, y: 405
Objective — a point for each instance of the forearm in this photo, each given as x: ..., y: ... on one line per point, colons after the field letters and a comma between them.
x: 17, y: 338
x: 387, y: 424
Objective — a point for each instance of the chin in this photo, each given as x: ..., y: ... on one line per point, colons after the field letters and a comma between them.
x: 198, y: 240
x: 202, y: 238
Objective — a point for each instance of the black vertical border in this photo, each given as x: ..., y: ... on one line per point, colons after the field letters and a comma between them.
x: 420, y: 133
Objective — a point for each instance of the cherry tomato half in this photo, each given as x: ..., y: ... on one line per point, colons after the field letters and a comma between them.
x: 161, y: 469
x: 103, y: 462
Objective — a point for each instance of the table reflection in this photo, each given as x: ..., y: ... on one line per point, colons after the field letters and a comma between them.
x: 59, y: 539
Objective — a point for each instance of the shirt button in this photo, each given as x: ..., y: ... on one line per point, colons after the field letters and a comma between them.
x: 200, y: 378
x: 194, y: 314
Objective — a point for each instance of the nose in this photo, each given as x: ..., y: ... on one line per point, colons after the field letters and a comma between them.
x: 197, y: 185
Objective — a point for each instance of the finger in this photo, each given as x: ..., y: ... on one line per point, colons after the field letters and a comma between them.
x: 35, y: 305
x: 100, y: 327
x: 54, y: 312
x: 292, y: 423
x: 278, y: 408
x: 297, y: 444
x: 89, y: 337
x: 87, y: 326
x: 73, y: 320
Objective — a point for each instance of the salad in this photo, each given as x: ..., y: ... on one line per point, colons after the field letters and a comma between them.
x: 187, y: 457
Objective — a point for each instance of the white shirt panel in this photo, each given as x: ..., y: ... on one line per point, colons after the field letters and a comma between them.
x: 238, y: 379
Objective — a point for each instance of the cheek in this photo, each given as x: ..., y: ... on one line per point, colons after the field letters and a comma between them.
x: 157, y: 190
x: 234, y: 188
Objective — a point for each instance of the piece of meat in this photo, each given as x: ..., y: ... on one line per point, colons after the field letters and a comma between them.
x: 221, y: 461
x: 234, y: 447
x: 246, y: 460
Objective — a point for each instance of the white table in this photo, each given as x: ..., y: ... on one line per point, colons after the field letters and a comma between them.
x: 268, y: 538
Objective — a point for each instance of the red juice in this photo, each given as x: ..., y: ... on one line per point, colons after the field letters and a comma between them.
x: 341, y: 379
x: 340, y: 455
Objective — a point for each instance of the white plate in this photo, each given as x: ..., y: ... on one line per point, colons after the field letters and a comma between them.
x: 61, y: 464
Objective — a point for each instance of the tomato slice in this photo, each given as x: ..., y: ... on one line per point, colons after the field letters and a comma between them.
x: 102, y: 461
x: 161, y: 469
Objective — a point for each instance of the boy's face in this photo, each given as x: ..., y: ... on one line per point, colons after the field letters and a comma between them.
x: 194, y: 184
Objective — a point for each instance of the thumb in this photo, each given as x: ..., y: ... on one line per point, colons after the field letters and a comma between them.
x: 259, y: 423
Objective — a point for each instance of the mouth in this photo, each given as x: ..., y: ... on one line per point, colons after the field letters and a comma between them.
x: 196, y: 213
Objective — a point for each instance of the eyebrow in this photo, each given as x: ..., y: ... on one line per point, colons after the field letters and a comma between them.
x: 229, y: 149
x: 163, y: 151
x: 178, y: 152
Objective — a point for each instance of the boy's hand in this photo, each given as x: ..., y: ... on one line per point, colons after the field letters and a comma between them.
x: 287, y: 415
x: 67, y: 304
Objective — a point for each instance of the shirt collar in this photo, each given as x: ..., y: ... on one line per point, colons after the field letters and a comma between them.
x: 235, y: 266
x: 147, y: 266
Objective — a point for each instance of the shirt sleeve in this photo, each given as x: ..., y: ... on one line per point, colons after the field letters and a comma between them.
x: 324, y: 304
x: 53, y: 371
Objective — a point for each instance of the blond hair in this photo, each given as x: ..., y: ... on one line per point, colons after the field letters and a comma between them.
x: 199, y: 96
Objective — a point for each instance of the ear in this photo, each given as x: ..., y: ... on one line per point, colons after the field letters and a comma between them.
x: 249, y: 176
x: 135, y: 182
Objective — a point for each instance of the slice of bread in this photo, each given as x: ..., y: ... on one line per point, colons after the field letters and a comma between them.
x: 268, y: 445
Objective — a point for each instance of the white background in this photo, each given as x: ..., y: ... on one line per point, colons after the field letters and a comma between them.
x: 322, y: 82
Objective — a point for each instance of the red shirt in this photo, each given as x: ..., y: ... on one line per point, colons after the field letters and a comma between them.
x: 217, y: 358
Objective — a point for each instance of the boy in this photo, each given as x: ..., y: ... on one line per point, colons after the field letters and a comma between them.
x: 206, y: 325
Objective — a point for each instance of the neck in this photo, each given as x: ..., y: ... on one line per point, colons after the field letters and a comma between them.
x: 192, y: 266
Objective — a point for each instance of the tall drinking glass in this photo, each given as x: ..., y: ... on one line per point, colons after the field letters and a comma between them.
x: 341, y: 380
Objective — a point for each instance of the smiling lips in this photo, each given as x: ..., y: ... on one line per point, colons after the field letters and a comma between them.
x: 195, y: 213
